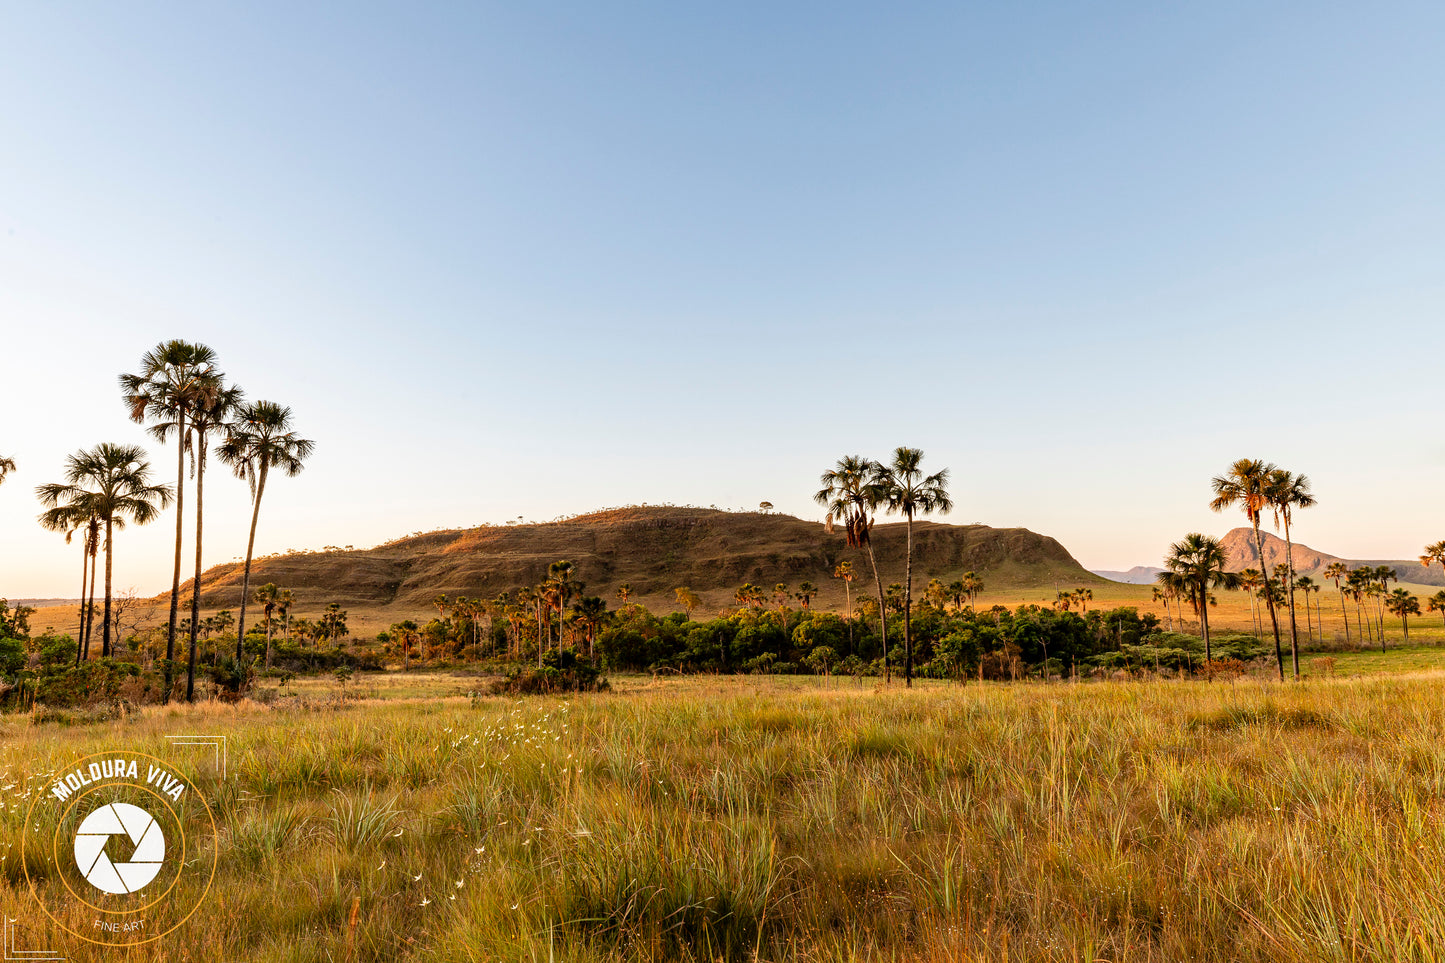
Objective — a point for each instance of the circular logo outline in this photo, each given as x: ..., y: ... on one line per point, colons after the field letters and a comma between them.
x: 205, y: 891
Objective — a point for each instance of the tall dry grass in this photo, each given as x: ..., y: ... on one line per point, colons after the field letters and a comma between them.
x: 741, y: 819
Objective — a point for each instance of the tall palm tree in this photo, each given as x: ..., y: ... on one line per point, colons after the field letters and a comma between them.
x: 7, y: 465
x: 112, y: 482
x: 1198, y: 562
x: 1335, y: 571
x: 260, y: 438
x: 69, y: 518
x: 268, y: 596
x: 1247, y: 484
x: 1287, y: 492
x: 907, y: 491
x: 173, y: 378
x: 850, y: 498
x: 1250, y: 579
x: 1434, y: 554
x: 1307, y: 585
x: 210, y: 414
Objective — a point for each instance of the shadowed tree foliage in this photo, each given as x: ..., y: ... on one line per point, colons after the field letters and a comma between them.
x: 261, y: 438
x: 113, y: 483
x: 907, y: 491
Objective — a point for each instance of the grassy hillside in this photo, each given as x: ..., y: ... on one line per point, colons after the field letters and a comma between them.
x: 654, y: 549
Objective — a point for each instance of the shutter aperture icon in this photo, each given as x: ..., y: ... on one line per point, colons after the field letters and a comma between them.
x: 144, y: 833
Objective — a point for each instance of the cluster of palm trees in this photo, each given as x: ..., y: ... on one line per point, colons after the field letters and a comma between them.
x: 855, y: 490
x: 1196, y: 566
x: 1067, y: 599
x: 182, y: 395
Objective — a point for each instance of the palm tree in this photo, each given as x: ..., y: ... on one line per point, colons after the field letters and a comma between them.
x: 209, y: 415
x: 591, y: 610
x: 560, y: 575
x: 1434, y: 553
x: 907, y: 491
x: 284, y: 601
x: 1436, y: 603
x: 268, y: 597
x: 1307, y: 585
x: 1357, y: 579
x: 1403, y: 604
x: 112, y: 482
x: 1250, y: 580
x: 844, y: 572
x: 850, y: 497
x: 1247, y: 483
x: 1334, y: 572
x: 1287, y: 492
x: 806, y: 593
x: 175, y: 376
x: 7, y: 465
x: 70, y: 518
x: 261, y: 438
x: 624, y: 593
x: 1198, y: 562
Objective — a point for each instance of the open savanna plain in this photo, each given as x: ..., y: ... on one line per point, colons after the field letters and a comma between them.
x: 742, y: 818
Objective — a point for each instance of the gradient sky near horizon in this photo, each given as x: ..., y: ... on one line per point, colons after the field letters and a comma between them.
x: 533, y: 259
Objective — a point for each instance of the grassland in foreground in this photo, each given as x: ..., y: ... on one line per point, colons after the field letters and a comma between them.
x: 803, y: 819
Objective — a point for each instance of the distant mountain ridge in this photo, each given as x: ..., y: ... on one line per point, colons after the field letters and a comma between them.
x: 1138, y: 575
x: 1242, y: 554
x: 655, y: 550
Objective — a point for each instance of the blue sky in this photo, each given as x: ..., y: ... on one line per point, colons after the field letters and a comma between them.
x: 530, y: 260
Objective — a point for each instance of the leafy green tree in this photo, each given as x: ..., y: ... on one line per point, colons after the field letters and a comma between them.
x: 174, y: 377
x: 851, y: 499
x: 1198, y: 560
x: 261, y: 438
x: 1247, y: 483
x: 113, y: 483
x: 907, y: 491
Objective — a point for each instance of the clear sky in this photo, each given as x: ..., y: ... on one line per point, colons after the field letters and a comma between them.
x: 534, y: 259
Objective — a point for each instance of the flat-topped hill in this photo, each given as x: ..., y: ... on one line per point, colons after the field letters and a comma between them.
x: 655, y: 550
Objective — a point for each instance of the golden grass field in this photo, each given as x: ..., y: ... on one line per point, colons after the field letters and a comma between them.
x: 802, y: 819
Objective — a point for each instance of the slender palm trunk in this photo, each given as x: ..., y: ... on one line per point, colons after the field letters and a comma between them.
x: 1269, y: 599
x: 196, y: 582
x: 1289, y: 573
x: 180, y: 532
x: 90, y: 603
x: 1344, y: 612
x: 848, y: 611
x: 246, y: 573
x: 882, y: 609
x: 105, y: 619
x: 1204, y: 621
x: 908, y: 609
x: 84, y: 568
x: 268, y: 640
